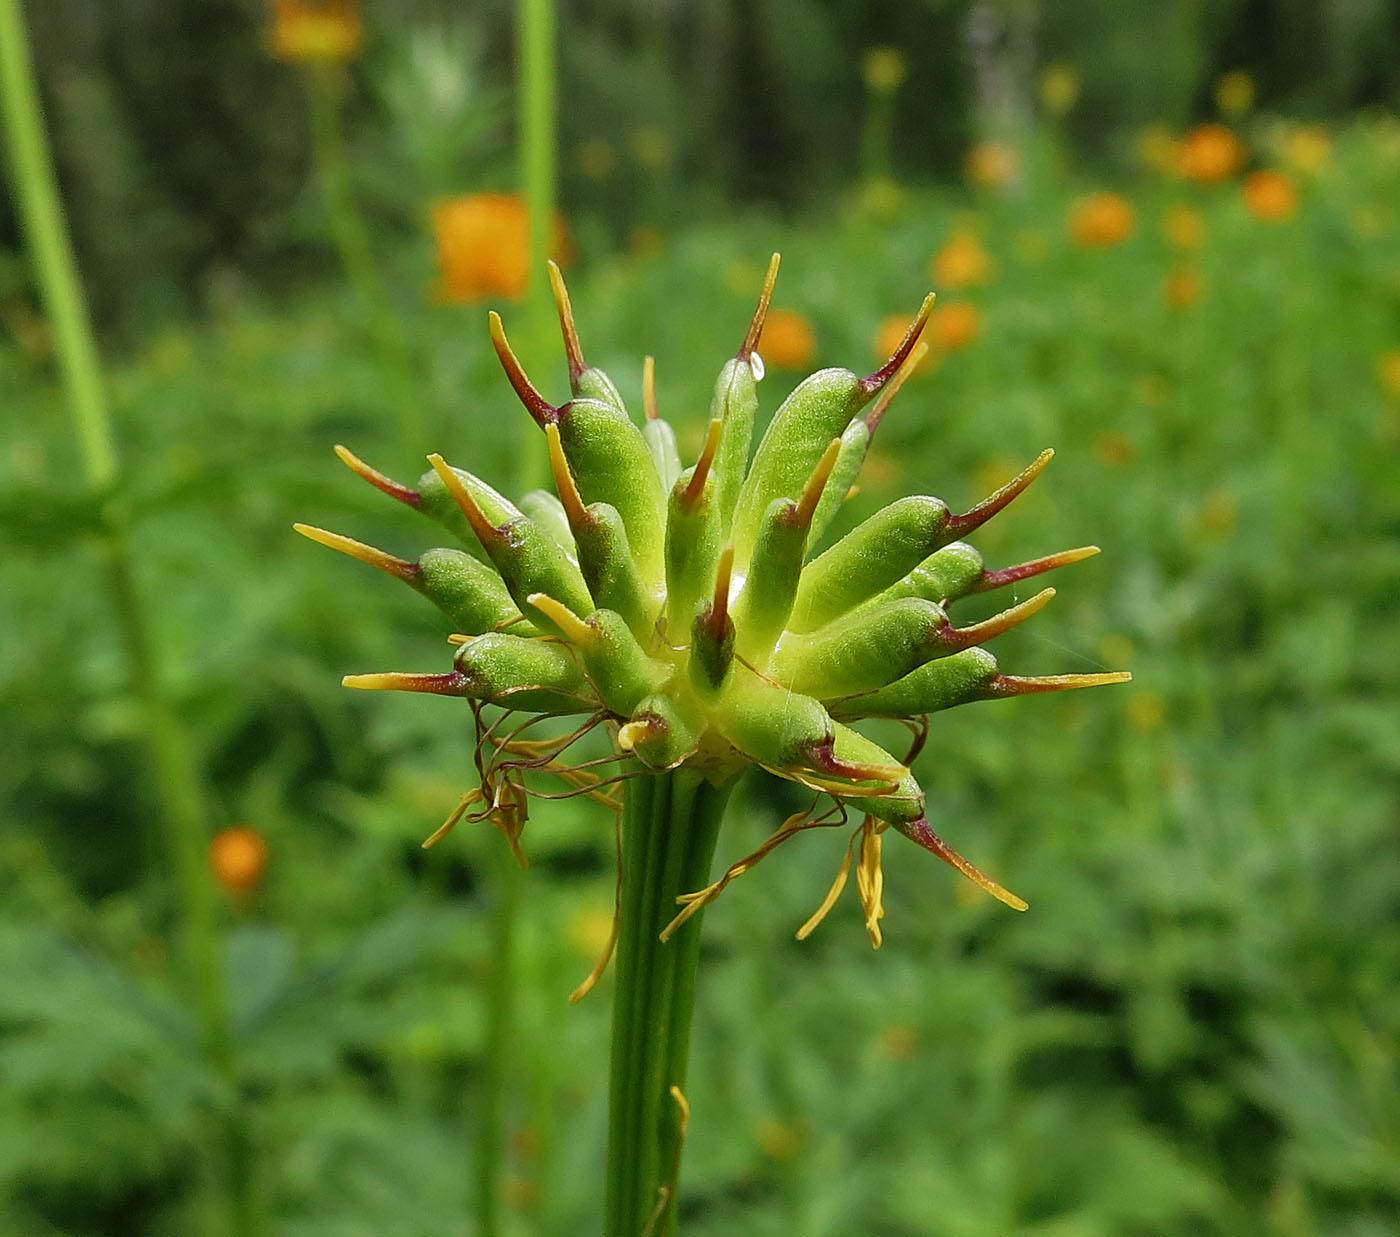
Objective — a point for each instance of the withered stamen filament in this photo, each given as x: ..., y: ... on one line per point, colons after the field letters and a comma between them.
x: 760, y: 315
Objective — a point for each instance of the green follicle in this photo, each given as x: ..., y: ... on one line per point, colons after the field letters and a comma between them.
x: 769, y: 723
x: 607, y: 453
x: 735, y: 404
x: 621, y: 671
x: 440, y: 503
x: 528, y: 561
x: 468, y: 591
x: 585, y: 380
x: 549, y: 516
x: 712, y: 635
x: 693, y: 537
x: 657, y: 734
x: 872, y: 649
x: 956, y: 679
x: 523, y: 673
x: 775, y: 568
x: 658, y: 434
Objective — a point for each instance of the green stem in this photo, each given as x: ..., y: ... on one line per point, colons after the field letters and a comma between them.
x: 669, y: 826
x: 323, y: 86
x: 176, y: 781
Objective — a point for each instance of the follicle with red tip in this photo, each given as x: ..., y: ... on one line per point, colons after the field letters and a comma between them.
x: 920, y: 832
x: 535, y: 404
x: 961, y: 525
x: 453, y: 683
x: 409, y: 497
x: 1017, y: 685
x: 486, y: 532
x: 689, y: 498
x: 760, y: 314
x: 401, y: 568
x: 873, y: 384
x: 955, y: 639
x: 572, y: 348
x: 823, y: 757
x: 876, y: 413
x: 712, y: 645
x: 564, y: 483
x: 1003, y: 576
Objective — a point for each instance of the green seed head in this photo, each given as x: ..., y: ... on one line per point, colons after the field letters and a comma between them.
x: 690, y: 610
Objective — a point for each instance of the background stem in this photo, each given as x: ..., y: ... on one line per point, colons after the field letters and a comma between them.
x: 669, y: 827
x: 176, y: 782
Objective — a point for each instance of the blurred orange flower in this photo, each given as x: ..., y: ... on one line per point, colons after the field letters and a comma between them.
x: 483, y: 246
x: 993, y: 165
x: 238, y: 856
x: 1388, y: 371
x: 890, y: 333
x: 1270, y: 196
x: 1181, y: 289
x: 953, y: 325
x: 1209, y: 153
x: 961, y: 263
x: 1101, y: 220
x: 1184, y: 227
x: 788, y: 341
x: 316, y: 31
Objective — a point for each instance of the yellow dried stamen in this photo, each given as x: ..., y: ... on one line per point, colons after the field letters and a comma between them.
x: 816, y: 483
x: 573, y: 627
x: 566, y: 322
x: 564, y: 481
x: 870, y: 879
x: 602, y: 964
x: 760, y: 315
x: 485, y: 531
x: 472, y: 796
x: 394, y: 565
x: 649, y: 387
x: 690, y: 496
x: 832, y: 895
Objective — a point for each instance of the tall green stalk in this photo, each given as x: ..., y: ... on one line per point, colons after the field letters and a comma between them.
x: 669, y: 826
x: 176, y: 781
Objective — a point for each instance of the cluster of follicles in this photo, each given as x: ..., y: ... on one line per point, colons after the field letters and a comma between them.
x: 691, y: 613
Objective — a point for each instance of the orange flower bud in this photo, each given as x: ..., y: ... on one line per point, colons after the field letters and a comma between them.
x: 788, y: 341
x: 953, y: 325
x: 1209, y: 154
x: 993, y: 165
x: 483, y: 246
x: 961, y: 263
x: 238, y: 856
x: 316, y: 31
x: 1101, y: 220
x: 1270, y: 196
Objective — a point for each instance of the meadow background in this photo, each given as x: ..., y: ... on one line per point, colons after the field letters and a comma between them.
x: 1165, y: 240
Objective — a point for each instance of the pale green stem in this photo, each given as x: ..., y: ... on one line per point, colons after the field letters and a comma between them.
x: 175, y: 779
x: 669, y: 826
x: 356, y: 255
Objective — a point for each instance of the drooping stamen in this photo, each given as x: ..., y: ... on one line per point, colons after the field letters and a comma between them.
x: 961, y: 525
x: 410, y: 498
x: 878, y: 409
x: 453, y: 683
x: 690, y: 497
x: 760, y: 315
x: 572, y: 348
x: 472, y: 796
x: 816, y: 483
x: 564, y: 481
x: 832, y: 894
x: 1017, y: 685
x: 870, y: 879
x: 485, y: 531
x: 871, y: 386
x: 535, y: 404
x: 400, y: 567
x: 822, y: 756
x: 919, y: 831
x: 573, y: 627
x: 959, y: 638
x: 1024, y: 571
x: 649, y: 387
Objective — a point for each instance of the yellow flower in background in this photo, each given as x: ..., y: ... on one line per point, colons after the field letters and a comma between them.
x: 483, y: 246
x: 1184, y: 227
x: 1158, y: 149
x: 1059, y: 88
x: 961, y: 263
x: 1388, y: 371
x: 316, y: 31
x: 992, y: 165
x: 1209, y: 154
x: 595, y: 160
x: 1101, y: 220
x: 651, y: 147
x: 1234, y: 93
x: 883, y: 69
x: 888, y: 335
x: 788, y: 341
x: 953, y: 325
x: 238, y: 856
x: 1269, y: 196
x: 1306, y: 149
x: 1181, y: 289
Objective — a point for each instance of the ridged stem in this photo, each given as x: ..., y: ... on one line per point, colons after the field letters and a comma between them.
x: 176, y: 781
x: 669, y: 826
